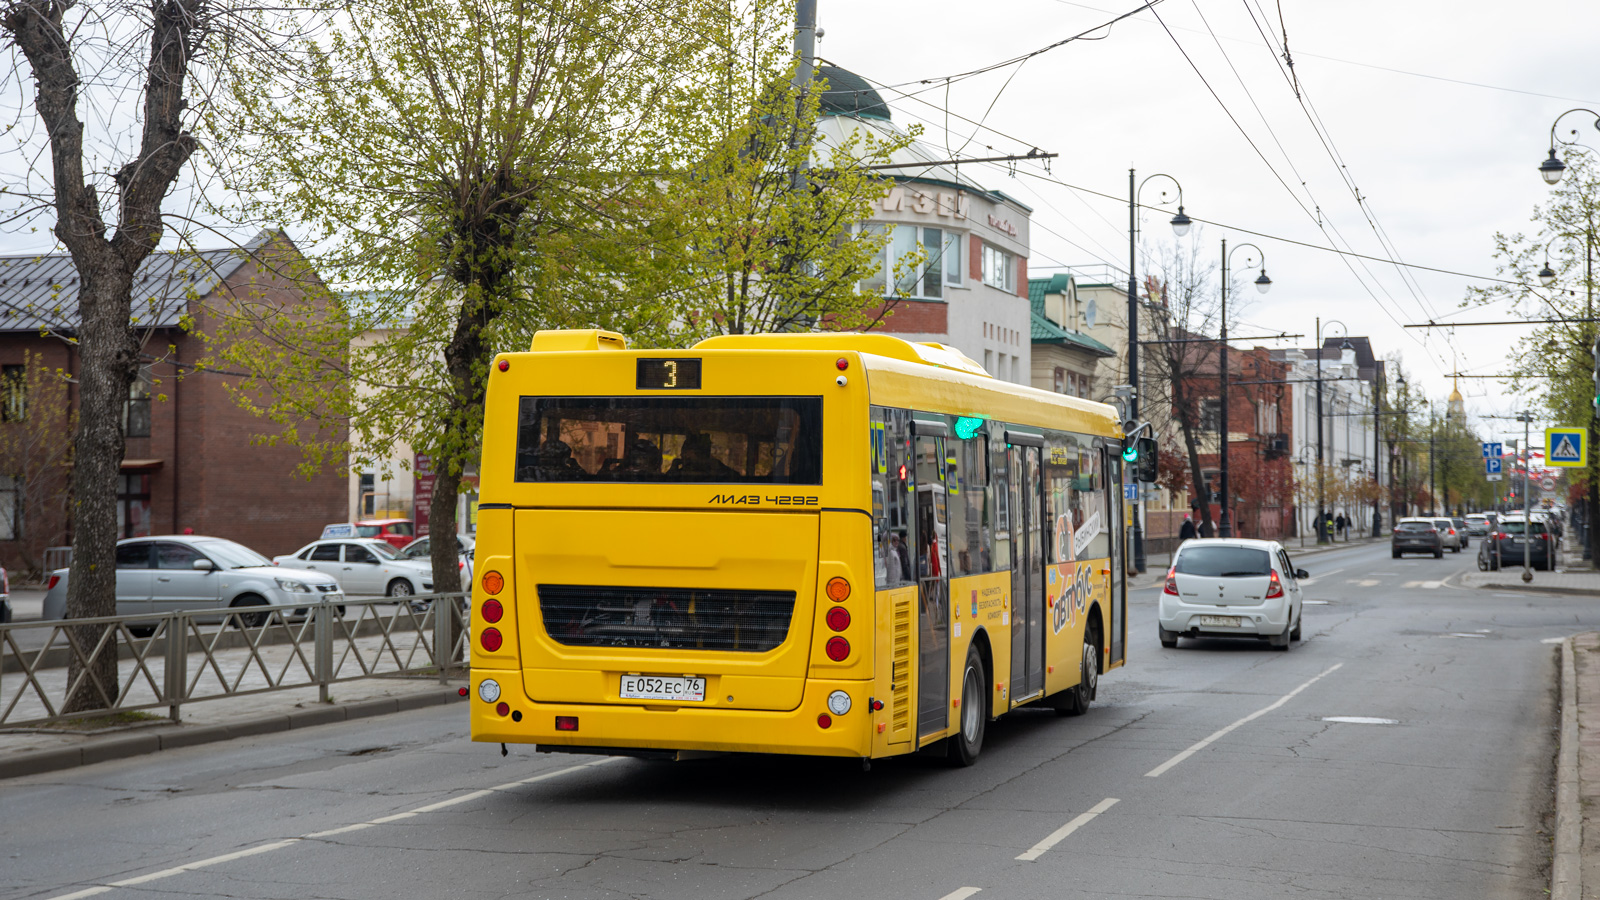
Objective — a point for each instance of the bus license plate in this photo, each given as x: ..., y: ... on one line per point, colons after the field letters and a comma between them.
x: 662, y: 687
x: 1228, y: 621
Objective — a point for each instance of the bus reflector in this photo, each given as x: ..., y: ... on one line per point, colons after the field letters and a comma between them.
x: 841, y: 363
x: 566, y: 723
x: 838, y: 618
x: 824, y: 721
x: 490, y: 639
x: 838, y: 589
x: 493, y: 582
x: 492, y: 610
x: 503, y: 708
x: 838, y: 648
x: 505, y: 365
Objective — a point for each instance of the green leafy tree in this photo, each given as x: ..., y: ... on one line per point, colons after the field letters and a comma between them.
x: 471, y: 174
x: 1555, y: 362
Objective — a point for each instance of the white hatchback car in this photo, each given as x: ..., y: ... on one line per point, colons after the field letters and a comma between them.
x: 1229, y: 587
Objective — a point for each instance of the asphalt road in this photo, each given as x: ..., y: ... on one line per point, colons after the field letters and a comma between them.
x: 1450, y: 801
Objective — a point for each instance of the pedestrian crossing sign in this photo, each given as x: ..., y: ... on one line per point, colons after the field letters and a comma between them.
x: 1566, y: 447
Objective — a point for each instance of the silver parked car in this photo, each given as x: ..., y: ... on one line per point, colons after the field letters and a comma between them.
x: 1449, y: 537
x: 169, y: 573
x: 363, y: 567
x: 420, y: 549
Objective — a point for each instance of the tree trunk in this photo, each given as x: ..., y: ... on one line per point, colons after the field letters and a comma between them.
x: 1194, y: 469
x: 109, y: 356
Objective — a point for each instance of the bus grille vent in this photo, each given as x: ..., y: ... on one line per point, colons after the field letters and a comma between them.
x: 900, y: 719
x: 665, y: 618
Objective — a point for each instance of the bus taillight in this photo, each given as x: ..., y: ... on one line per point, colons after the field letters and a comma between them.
x: 838, y: 589
x: 493, y: 582
x: 490, y: 639
x: 838, y: 649
x: 492, y: 610
x: 839, y: 619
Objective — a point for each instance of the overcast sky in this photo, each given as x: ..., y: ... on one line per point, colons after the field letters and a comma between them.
x: 1443, y: 165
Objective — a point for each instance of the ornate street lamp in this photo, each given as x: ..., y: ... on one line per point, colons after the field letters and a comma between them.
x: 1225, y: 523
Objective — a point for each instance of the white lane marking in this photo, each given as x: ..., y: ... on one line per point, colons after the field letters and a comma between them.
x: 279, y: 845
x: 961, y: 893
x: 1314, y: 602
x: 1160, y: 770
x: 1462, y: 634
x: 1317, y: 575
x: 1360, y: 720
x: 1552, y: 640
x: 1362, y: 582
x: 1425, y: 585
x: 1060, y: 834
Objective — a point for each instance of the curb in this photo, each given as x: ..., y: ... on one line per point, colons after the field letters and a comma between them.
x: 1575, y: 592
x: 1566, y: 865
x: 123, y: 746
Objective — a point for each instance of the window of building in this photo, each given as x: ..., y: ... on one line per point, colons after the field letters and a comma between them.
x: 988, y: 361
x: 1061, y: 380
x: 1210, y: 415
x: 14, y: 393
x: 133, y: 506
x: 999, y: 268
x: 927, y: 279
x: 10, y: 508
x: 1016, y: 369
x: 369, y: 494
x: 136, y: 412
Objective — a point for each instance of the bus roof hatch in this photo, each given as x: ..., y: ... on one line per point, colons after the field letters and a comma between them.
x: 577, y: 340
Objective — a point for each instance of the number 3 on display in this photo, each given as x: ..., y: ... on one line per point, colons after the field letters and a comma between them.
x: 669, y: 370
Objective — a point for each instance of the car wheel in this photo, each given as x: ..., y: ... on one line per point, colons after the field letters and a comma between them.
x: 1395, y: 554
x: 1455, y: 549
x: 250, y: 619
x: 1483, y: 564
x: 1282, y: 641
x: 1439, y: 553
x: 1169, y: 639
x: 968, y: 740
x: 141, y: 631
x: 1295, y: 634
x: 400, y: 588
x: 1074, y: 701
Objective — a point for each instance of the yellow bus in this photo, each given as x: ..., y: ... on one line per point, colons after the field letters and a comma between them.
x: 826, y: 544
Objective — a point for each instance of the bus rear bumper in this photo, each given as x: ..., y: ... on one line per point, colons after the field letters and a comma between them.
x: 600, y: 727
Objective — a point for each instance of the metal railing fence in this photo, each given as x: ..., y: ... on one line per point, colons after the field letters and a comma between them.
x: 194, y: 655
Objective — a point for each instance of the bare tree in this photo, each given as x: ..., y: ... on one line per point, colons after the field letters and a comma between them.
x: 134, y: 68
x: 1179, y: 363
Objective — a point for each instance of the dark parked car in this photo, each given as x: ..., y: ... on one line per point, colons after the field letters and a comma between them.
x: 1416, y: 536
x: 1506, y: 546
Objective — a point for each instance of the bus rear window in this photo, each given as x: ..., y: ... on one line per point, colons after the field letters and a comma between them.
x: 690, y: 440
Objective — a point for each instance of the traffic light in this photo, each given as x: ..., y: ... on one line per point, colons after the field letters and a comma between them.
x: 1595, y: 355
x: 1140, y: 456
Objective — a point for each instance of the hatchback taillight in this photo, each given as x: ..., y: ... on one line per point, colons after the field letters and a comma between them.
x: 54, y: 580
x: 1172, y: 582
x: 1274, y: 587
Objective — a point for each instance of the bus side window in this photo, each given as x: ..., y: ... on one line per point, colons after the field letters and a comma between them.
x: 967, y: 485
x: 892, y: 485
x: 999, y: 523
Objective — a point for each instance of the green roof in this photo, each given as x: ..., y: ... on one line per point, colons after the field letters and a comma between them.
x: 1048, y: 332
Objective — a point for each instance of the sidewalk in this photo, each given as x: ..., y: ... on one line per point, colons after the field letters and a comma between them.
x: 30, y: 751
x: 1576, y: 859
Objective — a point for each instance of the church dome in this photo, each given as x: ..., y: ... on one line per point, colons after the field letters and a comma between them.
x: 848, y: 94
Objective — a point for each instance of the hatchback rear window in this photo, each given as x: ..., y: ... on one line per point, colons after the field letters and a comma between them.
x: 1516, y: 527
x: 1416, y: 526
x: 1224, y: 562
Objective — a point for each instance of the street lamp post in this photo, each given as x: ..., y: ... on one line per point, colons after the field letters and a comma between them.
x: 1180, y: 227
x: 1322, y: 531
x: 1263, y: 284
x: 1551, y: 171
x: 1527, y: 517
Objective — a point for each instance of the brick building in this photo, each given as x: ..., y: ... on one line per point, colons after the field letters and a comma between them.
x: 190, y: 460
x: 1260, y: 418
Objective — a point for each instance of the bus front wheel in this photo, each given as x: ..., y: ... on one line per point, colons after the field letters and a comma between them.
x: 968, y: 739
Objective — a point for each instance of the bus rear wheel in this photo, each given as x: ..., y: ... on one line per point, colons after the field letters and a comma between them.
x: 1074, y: 701
x: 968, y: 740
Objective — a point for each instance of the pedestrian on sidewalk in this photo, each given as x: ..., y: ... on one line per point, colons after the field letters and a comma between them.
x: 1187, y: 532
x: 1338, y: 526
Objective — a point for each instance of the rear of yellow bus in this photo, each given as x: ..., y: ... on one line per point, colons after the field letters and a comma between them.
x: 673, y: 552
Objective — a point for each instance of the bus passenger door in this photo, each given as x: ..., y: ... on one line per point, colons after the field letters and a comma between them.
x: 933, y: 588
x: 1027, y: 573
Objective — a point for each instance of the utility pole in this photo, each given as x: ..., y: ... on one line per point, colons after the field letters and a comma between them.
x: 1527, y: 517
x: 1139, y: 561
x: 805, y: 65
x: 1322, y: 537
x: 1433, y: 495
x: 1377, y: 448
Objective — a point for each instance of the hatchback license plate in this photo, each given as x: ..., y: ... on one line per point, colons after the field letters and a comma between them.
x: 1228, y: 621
x: 663, y: 687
